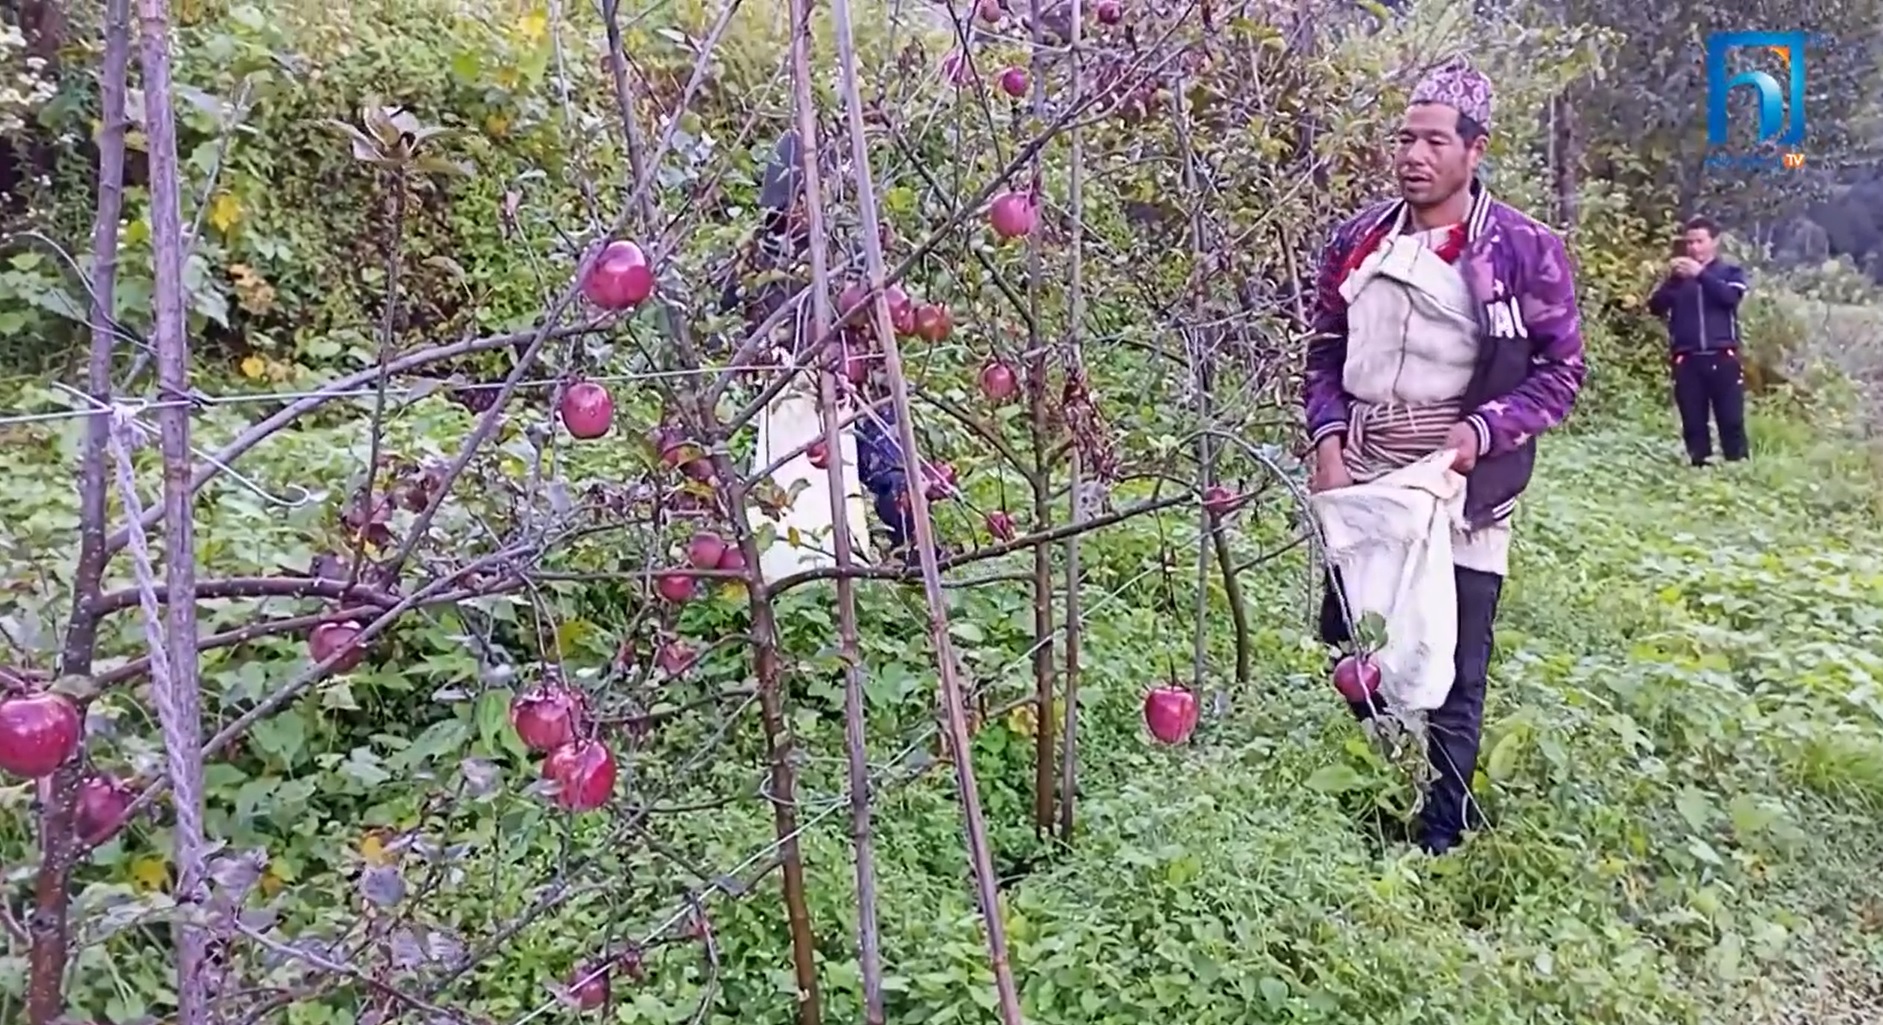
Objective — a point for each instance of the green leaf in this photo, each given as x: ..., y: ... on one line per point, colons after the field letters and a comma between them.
x: 283, y: 737
x: 1695, y: 807
x: 1337, y: 778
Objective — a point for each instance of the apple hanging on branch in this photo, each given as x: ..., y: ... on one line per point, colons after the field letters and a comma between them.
x: 103, y: 803
x: 583, y: 773
x: 998, y: 382
x: 933, y: 322
x: 706, y: 549
x: 1358, y: 676
x: 587, y: 410
x: 620, y: 278
x: 1170, y: 713
x: 1013, y: 215
x: 674, y: 587
x: 547, y: 716
x: 38, y: 732
x: 938, y: 481
x: 1220, y: 501
x: 587, y: 988
x: 1013, y: 82
x: 336, y: 639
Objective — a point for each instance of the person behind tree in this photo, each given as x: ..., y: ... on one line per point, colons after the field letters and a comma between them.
x: 1444, y: 320
x: 1699, y: 299
x: 879, y: 468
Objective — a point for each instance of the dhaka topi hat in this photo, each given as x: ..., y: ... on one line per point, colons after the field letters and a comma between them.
x: 1458, y: 85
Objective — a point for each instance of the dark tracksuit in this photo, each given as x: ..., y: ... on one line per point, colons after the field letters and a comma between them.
x: 1702, y: 315
x: 879, y: 469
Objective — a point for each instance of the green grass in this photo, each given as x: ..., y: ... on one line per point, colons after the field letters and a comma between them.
x: 1686, y: 777
x: 1683, y: 764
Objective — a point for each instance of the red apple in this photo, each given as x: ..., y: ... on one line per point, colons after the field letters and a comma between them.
x: 819, y: 454
x: 1013, y: 82
x: 990, y: 11
x: 998, y: 382
x: 933, y: 322
x: 1013, y: 214
x: 901, y: 310
x: 588, y: 987
x: 1109, y: 12
x: 1001, y: 525
x: 1357, y: 678
x: 38, y: 732
x: 1171, y: 713
x: 1220, y: 501
x: 956, y: 69
x: 676, y: 450
x: 853, y: 304
x: 675, y: 587
x: 547, y: 716
x: 705, y: 550
x: 584, y: 774
x: 674, y: 657
x: 330, y: 639
x: 588, y: 411
x: 620, y: 278
x: 731, y: 559
x: 102, y: 804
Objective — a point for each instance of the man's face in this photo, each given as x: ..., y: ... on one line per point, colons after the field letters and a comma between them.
x: 1433, y: 162
x: 1701, y: 245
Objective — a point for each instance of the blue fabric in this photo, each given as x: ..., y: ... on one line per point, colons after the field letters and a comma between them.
x: 879, y: 467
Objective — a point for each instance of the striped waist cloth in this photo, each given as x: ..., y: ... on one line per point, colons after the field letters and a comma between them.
x: 1385, y: 436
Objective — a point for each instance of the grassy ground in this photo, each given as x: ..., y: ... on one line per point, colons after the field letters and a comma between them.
x: 1684, y: 766
x: 1683, y: 763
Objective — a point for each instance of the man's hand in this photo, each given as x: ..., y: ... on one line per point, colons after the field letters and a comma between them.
x: 1462, y: 439
x: 1684, y: 266
x: 1330, y: 467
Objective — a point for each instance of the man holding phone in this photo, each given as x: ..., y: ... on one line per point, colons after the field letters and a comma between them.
x: 1699, y: 299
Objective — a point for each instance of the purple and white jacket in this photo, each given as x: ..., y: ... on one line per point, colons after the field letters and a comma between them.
x: 1530, y: 364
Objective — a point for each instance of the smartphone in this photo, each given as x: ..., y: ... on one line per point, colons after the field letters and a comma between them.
x: 1677, y: 248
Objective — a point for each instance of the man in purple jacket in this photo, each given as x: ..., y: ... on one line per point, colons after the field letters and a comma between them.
x: 1444, y: 320
x: 1699, y: 299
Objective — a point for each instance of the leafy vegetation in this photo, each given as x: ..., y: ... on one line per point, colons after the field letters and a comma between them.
x: 1683, y: 764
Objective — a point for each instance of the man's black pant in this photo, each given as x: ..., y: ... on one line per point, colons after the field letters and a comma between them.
x: 1455, y: 728
x: 1711, y: 383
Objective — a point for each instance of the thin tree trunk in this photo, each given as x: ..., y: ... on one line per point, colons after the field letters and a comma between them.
x: 1075, y: 315
x: 1039, y: 418
x: 58, y: 842
x: 1566, y: 159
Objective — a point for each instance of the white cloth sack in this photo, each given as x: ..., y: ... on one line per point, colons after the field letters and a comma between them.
x: 792, y: 420
x: 1391, y: 541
